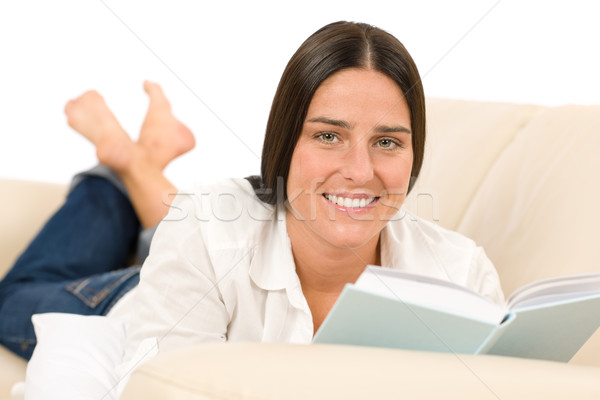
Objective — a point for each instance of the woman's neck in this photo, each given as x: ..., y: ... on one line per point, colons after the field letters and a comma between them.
x: 326, y: 268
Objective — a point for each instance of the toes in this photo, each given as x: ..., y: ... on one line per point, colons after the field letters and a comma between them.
x: 156, y: 94
x: 89, y: 101
x: 69, y: 112
x: 90, y: 97
x: 69, y: 107
x: 152, y: 89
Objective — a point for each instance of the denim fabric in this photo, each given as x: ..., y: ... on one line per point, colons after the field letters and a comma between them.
x: 101, y: 171
x: 75, y: 264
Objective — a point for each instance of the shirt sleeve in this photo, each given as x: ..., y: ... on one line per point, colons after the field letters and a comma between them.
x: 177, y: 301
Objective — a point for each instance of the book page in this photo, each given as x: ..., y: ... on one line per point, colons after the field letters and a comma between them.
x: 429, y: 292
x: 554, y: 290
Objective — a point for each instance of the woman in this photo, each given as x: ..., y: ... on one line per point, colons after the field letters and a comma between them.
x: 265, y: 258
x: 344, y: 138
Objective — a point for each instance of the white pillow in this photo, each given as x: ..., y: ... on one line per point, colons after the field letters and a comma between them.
x: 75, y: 357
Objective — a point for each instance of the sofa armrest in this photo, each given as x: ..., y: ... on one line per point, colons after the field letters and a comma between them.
x: 12, y: 370
x: 24, y: 208
x: 284, y: 371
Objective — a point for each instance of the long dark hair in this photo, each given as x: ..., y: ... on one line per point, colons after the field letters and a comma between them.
x: 334, y: 47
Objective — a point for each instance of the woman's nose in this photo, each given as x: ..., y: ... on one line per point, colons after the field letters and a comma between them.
x: 357, y: 164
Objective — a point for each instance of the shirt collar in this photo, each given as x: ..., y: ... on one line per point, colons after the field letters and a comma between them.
x: 392, y: 254
x: 272, y: 266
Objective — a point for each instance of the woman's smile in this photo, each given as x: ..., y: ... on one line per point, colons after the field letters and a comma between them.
x: 351, y: 202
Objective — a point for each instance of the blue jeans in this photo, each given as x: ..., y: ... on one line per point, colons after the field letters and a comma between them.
x: 74, y: 265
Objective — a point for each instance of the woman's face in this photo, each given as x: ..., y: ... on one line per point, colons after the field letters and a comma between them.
x: 351, y: 166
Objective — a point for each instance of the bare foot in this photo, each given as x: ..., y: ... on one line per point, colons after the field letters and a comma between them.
x: 139, y: 164
x: 90, y: 116
x: 162, y: 136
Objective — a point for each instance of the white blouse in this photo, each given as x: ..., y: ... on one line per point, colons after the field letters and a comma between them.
x: 221, y: 269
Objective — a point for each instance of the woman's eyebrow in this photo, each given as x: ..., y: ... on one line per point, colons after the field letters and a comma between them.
x: 391, y: 129
x: 330, y: 121
x: 347, y: 125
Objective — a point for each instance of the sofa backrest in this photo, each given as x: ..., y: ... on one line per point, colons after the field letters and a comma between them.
x: 536, y: 213
x: 522, y: 181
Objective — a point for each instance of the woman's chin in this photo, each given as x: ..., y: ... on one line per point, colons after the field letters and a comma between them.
x: 353, y: 238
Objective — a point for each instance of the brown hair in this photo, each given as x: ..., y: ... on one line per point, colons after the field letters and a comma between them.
x: 334, y: 47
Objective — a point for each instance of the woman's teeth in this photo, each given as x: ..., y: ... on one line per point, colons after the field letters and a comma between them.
x: 348, y: 202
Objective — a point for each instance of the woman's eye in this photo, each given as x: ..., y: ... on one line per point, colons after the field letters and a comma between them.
x: 328, y: 137
x: 386, y: 143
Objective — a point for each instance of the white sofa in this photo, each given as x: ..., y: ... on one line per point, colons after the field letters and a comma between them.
x: 523, y: 181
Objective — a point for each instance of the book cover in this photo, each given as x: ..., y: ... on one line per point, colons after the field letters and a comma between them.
x: 387, y: 308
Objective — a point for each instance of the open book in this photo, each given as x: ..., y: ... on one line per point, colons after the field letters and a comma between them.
x: 549, y: 319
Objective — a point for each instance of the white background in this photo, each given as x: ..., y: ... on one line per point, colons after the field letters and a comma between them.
x: 219, y: 63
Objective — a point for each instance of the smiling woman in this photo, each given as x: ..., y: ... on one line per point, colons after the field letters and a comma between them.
x: 258, y: 259
x: 343, y: 144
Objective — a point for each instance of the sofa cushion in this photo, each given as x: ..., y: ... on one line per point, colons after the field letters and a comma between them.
x: 284, y: 371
